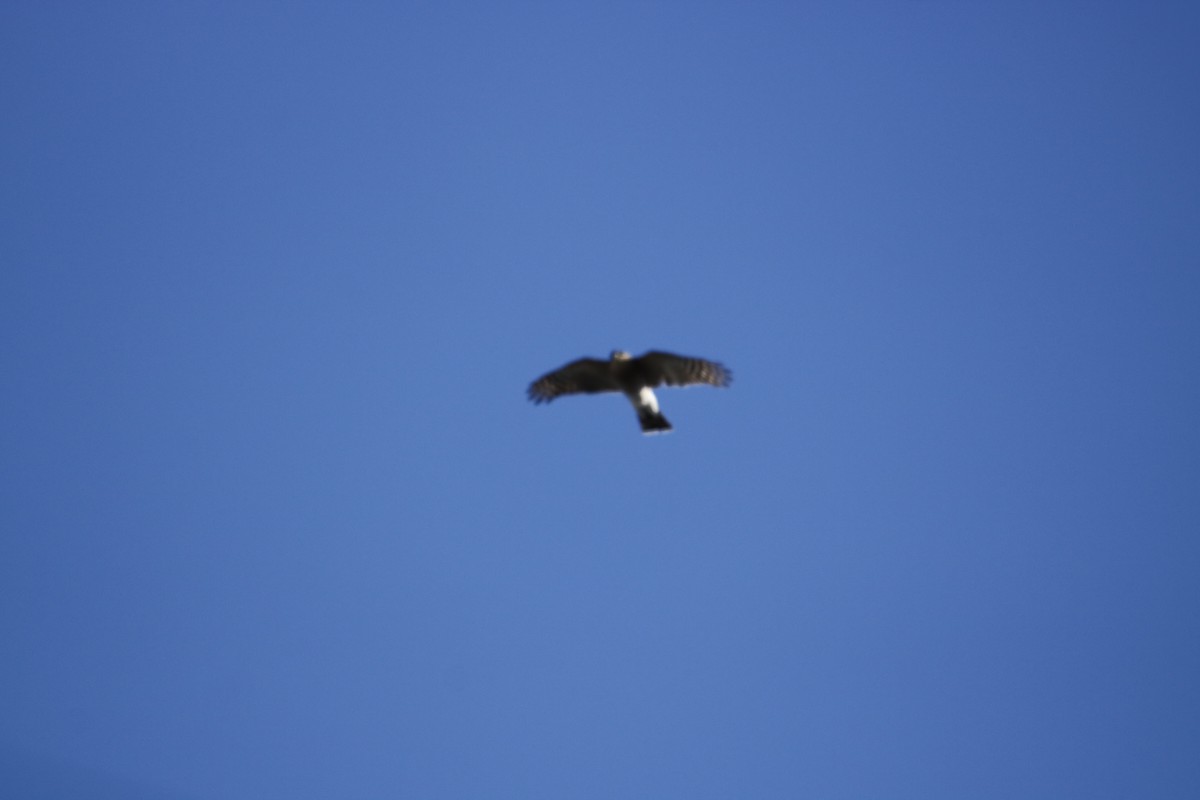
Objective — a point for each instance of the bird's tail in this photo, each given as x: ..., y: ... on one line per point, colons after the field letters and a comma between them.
x: 653, y: 421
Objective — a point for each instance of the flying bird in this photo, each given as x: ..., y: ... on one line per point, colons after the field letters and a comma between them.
x: 634, y: 377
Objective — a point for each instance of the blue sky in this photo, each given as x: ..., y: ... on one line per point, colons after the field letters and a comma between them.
x: 279, y: 522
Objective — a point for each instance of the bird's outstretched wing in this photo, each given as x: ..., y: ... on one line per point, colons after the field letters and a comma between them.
x: 658, y: 368
x: 587, y: 375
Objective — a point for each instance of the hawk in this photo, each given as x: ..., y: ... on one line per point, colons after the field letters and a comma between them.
x: 634, y: 377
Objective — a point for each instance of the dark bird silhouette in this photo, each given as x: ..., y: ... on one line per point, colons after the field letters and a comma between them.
x: 634, y: 377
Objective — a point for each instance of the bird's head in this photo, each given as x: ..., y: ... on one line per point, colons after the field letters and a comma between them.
x: 620, y: 355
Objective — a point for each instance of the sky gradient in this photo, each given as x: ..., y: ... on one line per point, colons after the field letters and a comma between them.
x: 278, y: 521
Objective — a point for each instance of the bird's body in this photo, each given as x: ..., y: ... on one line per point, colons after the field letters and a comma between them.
x: 634, y: 377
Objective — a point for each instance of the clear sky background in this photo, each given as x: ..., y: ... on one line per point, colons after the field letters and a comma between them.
x: 278, y: 521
